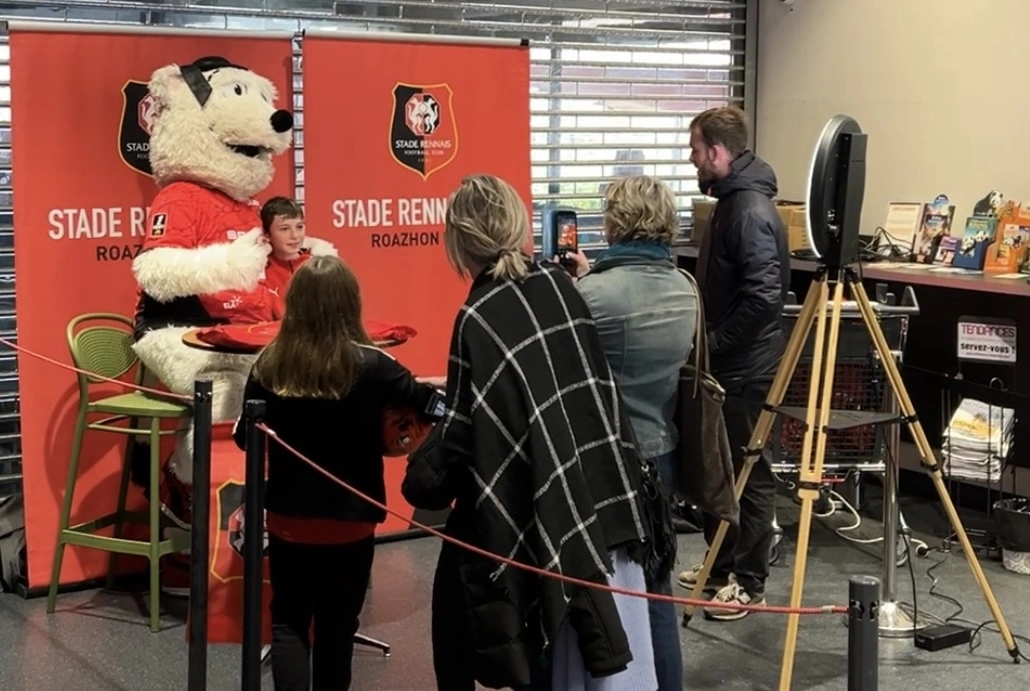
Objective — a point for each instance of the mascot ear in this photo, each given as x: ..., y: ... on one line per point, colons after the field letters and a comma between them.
x: 163, y: 81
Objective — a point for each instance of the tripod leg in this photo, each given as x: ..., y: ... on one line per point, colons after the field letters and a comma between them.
x: 929, y: 461
x: 811, y: 469
x: 792, y: 353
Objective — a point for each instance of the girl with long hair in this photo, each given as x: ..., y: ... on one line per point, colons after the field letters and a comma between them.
x: 325, y: 388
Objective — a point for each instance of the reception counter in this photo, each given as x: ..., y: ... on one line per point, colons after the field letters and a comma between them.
x: 935, y: 377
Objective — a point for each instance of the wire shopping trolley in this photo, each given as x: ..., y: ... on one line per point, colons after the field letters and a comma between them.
x: 858, y: 440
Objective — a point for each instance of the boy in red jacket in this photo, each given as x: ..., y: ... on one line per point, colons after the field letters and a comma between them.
x: 283, y: 222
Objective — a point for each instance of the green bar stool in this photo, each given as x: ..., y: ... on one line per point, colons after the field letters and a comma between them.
x: 106, y: 350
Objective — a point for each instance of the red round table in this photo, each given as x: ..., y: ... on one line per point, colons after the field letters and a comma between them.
x: 189, y: 338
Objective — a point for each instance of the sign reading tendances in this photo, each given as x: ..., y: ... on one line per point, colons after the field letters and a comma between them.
x: 82, y: 117
x: 391, y: 126
x: 986, y: 340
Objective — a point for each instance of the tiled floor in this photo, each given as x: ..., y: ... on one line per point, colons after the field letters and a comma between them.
x: 97, y: 641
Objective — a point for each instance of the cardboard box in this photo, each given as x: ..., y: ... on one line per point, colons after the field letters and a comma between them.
x: 703, y: 209
x: 793, y: 214
x: 786, y: 208
x: 795, y: 218
x: 797, y: 230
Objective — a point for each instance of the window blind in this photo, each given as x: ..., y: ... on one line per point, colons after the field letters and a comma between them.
x: 614, y: 86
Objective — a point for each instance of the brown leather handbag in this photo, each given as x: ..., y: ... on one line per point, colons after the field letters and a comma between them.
x: 705, y: 460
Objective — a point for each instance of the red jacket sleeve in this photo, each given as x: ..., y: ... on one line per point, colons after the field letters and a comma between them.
x: 241, y: 307
x: 174, y: 221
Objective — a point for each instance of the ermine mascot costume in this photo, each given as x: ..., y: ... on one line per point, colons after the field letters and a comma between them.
x: 214, y: 135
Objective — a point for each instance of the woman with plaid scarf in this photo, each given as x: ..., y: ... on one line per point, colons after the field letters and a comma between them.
x: 537, y: 455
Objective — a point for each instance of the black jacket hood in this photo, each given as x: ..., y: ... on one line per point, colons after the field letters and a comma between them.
x: 747, y: 172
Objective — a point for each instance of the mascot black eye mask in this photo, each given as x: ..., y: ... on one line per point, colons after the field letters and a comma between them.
x: 216, y: 124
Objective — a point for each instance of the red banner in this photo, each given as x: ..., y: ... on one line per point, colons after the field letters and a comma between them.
x: 81, y: 118
x: 390, y: 128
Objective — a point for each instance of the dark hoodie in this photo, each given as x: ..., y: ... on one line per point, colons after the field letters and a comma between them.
x: 743, y: 270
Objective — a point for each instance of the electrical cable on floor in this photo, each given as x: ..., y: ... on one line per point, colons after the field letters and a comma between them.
x: 934, y: 580
x: 975, y: 638
x: 913, y: 610
x: 912, y: 575
x: 840, y: 532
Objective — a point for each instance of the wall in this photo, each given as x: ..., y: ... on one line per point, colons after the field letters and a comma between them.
x: 941, y: 94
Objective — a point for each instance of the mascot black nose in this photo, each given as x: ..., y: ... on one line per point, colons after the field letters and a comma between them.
x: 282, y: 121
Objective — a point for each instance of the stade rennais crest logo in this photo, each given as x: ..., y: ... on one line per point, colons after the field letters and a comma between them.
x: 423, y: 132
x: 137, y: 121
x: 233, y: 533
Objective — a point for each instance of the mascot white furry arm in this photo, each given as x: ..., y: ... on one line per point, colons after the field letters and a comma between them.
x: 214, y: 135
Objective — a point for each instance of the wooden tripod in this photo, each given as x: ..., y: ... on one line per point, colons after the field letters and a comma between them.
x: 818, y: 422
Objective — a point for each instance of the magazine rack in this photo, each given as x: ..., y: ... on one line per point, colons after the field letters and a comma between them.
x: 988, y: 378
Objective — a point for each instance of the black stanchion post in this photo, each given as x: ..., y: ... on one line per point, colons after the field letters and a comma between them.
x: 199, y: 539
x: 863, y: 633
x: 253, y: 546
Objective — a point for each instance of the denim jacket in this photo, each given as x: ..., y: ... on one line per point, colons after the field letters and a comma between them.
x: 645, y: 312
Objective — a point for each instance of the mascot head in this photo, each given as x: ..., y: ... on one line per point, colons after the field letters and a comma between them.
x: 216, y: 124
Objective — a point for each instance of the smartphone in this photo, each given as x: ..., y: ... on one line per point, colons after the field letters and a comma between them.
x: 568, y: 233
x: 561, y: 235
x: 437, y: 406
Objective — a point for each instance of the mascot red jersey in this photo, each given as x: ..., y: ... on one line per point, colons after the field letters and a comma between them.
x: 214, y: 135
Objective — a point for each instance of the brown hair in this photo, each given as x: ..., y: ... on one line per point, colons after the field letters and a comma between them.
x: 279, y: 206
x: 487, y: 224
x: 315, y: 354
x: 640, y: 207
x: 726, y: 126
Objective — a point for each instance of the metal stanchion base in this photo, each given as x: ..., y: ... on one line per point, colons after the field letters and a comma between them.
x: 894, y: 622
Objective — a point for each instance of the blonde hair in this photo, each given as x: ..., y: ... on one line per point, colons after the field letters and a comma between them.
x: 640, y: 207
x: 487, y: 224
x: 315, y: 354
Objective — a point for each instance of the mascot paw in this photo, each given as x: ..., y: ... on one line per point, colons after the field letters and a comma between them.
x: 250, y: 252
x: 320, y: 247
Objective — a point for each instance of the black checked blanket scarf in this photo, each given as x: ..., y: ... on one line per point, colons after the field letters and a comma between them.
x: 557, y: 477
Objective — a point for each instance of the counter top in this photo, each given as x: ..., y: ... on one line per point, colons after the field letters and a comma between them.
x: 690, y: 250
x: 884, y: 271
x: 981, y: 282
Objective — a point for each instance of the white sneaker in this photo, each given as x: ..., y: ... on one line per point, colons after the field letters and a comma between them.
x: 732, y: 594
x: 688, y: 579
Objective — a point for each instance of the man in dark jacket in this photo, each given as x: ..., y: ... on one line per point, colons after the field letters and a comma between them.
x: 743, y: 270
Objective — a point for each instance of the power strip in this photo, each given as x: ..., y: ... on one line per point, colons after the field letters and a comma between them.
x: 942, y: 637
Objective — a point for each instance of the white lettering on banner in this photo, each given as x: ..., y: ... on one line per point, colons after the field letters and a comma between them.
x: 97, y: 223
x: 405, y: 239
x: 422, y: 212
x: 986, y: 341
x: 423, y: 143
x: 414, y: 212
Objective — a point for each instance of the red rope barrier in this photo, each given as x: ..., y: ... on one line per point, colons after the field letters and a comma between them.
x: 128, y: 385
x: 767, y: 609
x: 825, y: 609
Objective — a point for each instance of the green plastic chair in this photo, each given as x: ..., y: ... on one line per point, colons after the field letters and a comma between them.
x: 107, y: 351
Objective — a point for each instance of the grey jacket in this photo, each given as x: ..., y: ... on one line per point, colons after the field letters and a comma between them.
x: 645, y: 312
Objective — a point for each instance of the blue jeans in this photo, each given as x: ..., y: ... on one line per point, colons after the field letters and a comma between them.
x: 665, y: 637
x: 665, y: 631
x: 666, y: 464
